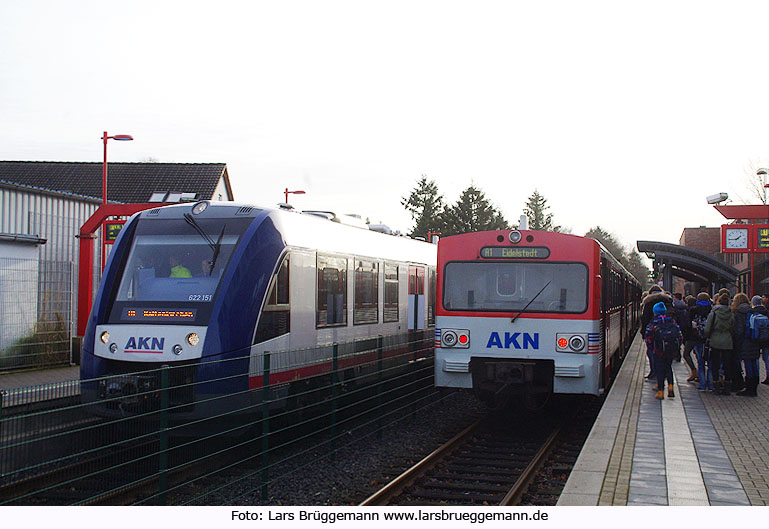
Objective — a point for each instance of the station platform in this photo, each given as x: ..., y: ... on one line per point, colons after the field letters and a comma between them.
x: 25, y: 387
x: 696, y: 448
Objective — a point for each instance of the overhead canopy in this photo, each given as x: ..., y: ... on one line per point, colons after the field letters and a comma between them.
x: 689, y: 264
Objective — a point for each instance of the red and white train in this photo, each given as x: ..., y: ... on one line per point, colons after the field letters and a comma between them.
x: 530, y: 314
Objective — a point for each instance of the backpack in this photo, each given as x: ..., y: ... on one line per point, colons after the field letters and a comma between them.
x: 682, y: 315
x: 666, y: 337
x: 698, y: 326
x: 757, y: 328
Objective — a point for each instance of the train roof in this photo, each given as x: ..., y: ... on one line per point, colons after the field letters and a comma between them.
x: 458, y: 243
x: 311, y: 231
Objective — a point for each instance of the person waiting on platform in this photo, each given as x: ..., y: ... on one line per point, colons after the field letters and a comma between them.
x: 699, y: 317
x: 756, y: 339
x: 177, y: 268
x: 663, y: 336
x: 719, y: 329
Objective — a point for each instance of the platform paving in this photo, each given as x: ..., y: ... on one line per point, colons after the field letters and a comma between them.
x: 38, y: 377
x: 694, y: 449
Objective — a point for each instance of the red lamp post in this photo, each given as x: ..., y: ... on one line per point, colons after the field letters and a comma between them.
x: 119, y: 137
x: 292, y: 193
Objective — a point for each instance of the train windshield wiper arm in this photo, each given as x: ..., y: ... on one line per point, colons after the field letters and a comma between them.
x: 215, y: 246
x: 530, y: 302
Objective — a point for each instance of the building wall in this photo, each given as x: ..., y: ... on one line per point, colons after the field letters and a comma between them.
x: 706, y: 240
x: 56, y: 218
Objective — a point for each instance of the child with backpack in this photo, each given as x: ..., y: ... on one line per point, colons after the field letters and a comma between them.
x: 663, y: 336
x: 756, y: 338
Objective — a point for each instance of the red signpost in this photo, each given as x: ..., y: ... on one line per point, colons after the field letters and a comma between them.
x: 87, y: 237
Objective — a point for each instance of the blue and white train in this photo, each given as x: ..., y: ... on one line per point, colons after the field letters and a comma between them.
x: 207, y: 288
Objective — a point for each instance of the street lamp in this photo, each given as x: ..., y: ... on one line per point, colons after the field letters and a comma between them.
x: 292, y: 193
x: 762, y: 171
x: 119, y: 137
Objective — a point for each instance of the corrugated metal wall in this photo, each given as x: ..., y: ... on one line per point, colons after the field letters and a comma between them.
x: 56, y: 219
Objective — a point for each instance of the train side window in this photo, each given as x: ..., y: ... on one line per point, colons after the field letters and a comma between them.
x: 366, y: 303
x: 416, y: 280
x: 331, y: 308
x: 391, y: 293
x: 431, y: 286
x: 275, y: 319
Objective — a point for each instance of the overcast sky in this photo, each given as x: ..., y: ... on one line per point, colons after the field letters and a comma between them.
x: 623, y: 115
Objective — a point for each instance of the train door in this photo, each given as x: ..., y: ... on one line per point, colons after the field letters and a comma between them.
x: 416, y: 298
x: 605, y: 307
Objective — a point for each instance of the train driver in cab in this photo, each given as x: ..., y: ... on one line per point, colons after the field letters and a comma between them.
x: 177, y: 268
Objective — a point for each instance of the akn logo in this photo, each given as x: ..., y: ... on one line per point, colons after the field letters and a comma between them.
x: 516, y: 340
x: 143, y: 345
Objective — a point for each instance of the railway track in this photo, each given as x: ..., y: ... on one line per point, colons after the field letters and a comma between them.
x: 490, y: 463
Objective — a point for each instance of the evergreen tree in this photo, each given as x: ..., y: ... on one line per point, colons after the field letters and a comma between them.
x: 426, y: 207
x: 631, y: 260
x: 536, y: 211
x: 472, y: 212
x: 640, y: 271
x: 608, y: 240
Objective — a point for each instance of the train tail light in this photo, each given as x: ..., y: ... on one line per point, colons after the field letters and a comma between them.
x: 455, y: 338
x: 570, y: 343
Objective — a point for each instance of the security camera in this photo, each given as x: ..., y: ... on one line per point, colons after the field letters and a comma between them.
x: 717, y: 198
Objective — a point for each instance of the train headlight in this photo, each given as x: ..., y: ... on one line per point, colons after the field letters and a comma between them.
x: 104, y: 337
x: 456, y: 338
x: 449, y: 339
x: 177, y: 349
x: 577, y: 343
x: 199, y: 208
x: 193, y: 339
x: 113, y: 347
x: 515, y: 236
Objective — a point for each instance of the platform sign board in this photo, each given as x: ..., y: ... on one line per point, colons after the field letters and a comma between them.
x: 762, y: 237
x: 111, y: 230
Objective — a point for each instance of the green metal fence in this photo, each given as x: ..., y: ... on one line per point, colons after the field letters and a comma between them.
x: 172, y: 436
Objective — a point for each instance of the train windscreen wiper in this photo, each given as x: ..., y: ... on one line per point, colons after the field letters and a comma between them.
x: 530, y: 302
x: 215, y: 246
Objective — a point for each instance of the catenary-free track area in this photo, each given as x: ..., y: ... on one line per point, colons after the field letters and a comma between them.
x: 696, y: 448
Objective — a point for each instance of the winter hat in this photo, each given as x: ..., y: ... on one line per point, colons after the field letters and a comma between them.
x: 756, y: 301
x: 659, y: 308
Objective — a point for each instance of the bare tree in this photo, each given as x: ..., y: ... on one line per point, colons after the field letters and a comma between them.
x: 756, y: 177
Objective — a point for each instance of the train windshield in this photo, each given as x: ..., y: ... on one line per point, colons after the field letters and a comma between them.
x: 515, y: 286
x: 174, y: 268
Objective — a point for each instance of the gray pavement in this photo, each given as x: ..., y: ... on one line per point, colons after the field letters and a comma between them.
x: 696, y: 448
x: 13, y: 379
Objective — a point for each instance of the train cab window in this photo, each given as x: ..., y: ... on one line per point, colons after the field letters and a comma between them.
x: 174, y: 266
x: 331, y: 308
x: 390, y: 293
x: 515, y: 286
x: 275, y: 319
x: 366, y: 306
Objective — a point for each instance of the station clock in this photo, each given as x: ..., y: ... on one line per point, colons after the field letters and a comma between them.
x: 736, y: 238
